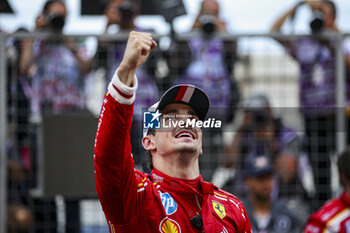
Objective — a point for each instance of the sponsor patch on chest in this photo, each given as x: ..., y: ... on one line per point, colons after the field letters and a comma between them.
x: 168, y: 225
x: 169, y: 204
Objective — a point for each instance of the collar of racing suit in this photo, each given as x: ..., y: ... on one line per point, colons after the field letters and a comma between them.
x: 179, y: 185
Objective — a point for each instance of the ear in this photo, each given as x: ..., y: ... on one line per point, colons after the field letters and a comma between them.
x: 147, y: 143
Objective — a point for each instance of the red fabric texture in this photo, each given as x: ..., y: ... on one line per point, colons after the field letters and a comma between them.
x: 334, y: 216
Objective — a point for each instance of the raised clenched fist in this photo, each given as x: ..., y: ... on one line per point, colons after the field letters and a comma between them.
x: 138, y: 48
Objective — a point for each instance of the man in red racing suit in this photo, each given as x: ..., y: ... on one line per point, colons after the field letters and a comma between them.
x: 174, y: 198
x: 334, y: 216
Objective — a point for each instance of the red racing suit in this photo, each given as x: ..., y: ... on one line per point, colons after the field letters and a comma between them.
x: 136, y: 202
x: 333, y: 217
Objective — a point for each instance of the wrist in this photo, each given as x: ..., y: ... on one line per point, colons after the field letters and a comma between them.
x: 121, y: 92
x: 126, y: 74
x: 125, y: 68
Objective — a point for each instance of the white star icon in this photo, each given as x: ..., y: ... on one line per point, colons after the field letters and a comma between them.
x: 155, y: 115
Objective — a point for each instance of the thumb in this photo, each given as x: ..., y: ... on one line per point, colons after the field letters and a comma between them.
x: 146, y: 52
x: 154, y: 45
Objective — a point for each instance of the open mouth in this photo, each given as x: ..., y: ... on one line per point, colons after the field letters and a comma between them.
x: 185, y: 134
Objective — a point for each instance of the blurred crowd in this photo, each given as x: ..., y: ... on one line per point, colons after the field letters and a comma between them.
x: 281, y: 174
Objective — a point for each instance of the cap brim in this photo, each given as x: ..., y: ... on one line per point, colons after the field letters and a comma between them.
x: 189, y: 95
x: 259, y: 172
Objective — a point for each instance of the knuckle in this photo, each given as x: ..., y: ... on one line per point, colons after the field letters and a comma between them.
x: 139, y: 47
x: 132, y: 35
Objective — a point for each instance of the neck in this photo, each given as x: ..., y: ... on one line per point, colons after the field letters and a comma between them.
x: 260, y: 206
x: 177, y: 166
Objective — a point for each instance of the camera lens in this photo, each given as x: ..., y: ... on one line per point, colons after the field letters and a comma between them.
x: 260, y: 118
x: 317, y: 22
x: 208, y: 25
x: 56, y: 21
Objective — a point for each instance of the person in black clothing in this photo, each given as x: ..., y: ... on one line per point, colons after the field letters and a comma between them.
x: 266, y: 215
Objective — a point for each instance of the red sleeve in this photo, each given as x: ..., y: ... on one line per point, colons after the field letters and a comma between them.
x: 116, y: 183
x: 247, y: 226
x: 314, y: 225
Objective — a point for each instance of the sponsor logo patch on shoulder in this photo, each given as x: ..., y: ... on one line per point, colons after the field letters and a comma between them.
x: 157, y: 178
x: 169, y: 204
x: 168, y: 225
x: 219, y: 209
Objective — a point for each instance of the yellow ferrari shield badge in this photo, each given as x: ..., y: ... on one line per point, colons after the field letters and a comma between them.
x: 219, y: 209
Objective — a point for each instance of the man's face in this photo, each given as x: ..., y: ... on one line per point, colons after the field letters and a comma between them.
x: 176, y: 139
x: 56, y: 15
x: 260, y: 186
x: 112, y: 12
x: 210, y: 8
x: 58, y: 9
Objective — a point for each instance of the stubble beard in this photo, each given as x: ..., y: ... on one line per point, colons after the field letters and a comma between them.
x: 186, y: 150
x: 187, y: 153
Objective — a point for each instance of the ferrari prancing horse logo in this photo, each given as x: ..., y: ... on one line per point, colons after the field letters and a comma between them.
x: 219, y: 209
